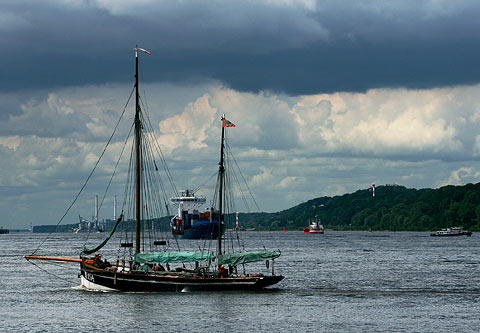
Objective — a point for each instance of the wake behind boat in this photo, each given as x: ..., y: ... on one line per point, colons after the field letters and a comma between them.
x: 146, y: 261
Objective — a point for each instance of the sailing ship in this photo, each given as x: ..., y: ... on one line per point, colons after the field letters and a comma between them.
x: 146, y: 268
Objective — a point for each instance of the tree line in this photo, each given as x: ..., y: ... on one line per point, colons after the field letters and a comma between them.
x: 393, y: 208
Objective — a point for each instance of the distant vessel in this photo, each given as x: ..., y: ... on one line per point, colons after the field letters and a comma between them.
x: 4, y: 231
x: 314, y: 228
x: 189, y: 223
x: 82, y: 222
x: 454, y: 231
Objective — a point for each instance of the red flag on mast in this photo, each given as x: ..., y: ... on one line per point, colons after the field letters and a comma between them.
x: 227, y: 123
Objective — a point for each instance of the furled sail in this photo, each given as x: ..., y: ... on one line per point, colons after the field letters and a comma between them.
x: 245, y: 257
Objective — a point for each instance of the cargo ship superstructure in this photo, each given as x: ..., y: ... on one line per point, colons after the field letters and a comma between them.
x: 190, y: 222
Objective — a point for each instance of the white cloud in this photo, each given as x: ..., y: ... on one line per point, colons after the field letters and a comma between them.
x: 263, y: 122
x: 11, y: 142
x: 264, y: 178
x: 290, y: 149
x: 462, y: 176
x: 190, y: 128
x: 290, y: 181
x: 385, y: 122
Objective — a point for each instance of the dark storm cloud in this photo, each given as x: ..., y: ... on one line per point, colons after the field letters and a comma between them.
x: 284, y: 46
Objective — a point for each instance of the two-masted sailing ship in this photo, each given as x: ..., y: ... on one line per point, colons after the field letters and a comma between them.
x: 145, y: 263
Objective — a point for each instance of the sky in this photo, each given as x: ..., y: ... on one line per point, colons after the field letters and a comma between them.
x: 328, y: 97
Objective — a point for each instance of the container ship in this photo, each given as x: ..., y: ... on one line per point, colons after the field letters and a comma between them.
x: 190, y: 223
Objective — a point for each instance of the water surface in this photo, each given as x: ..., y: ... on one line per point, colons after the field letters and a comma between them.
x: 336, y: 282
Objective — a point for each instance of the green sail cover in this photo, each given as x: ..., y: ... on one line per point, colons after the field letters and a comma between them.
x: 165, y: 257
x: 243, y: 258
x: 90, y: 251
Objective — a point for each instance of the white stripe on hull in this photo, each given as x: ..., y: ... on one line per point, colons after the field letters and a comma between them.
x: 93, y: 286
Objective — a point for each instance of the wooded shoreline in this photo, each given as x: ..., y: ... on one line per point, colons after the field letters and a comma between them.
x: 394, y: 208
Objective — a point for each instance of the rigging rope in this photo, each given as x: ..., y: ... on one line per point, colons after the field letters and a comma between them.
x: 89, y: 176
x: 50, y: 273
x: 147, y: 123
x: 110, y: 182
x: 208, y: 180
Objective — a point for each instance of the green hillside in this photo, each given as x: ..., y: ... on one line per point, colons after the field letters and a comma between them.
x: 393, y: 208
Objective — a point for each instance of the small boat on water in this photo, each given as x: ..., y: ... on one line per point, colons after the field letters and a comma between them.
x: 314, y: 228
x: 3, y: 231
x: 454, y: 231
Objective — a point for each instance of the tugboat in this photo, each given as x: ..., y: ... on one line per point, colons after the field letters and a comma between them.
x: 454, y: 231
x: 314, y: 228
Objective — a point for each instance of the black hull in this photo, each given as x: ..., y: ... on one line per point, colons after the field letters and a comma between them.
x: 138, y: 282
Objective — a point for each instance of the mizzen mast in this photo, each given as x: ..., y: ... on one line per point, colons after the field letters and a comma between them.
x: 221, y: 175
x: 221, y: 172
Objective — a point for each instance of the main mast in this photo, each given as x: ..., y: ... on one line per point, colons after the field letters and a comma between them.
x: 138, y: 167
x: 221, y: 171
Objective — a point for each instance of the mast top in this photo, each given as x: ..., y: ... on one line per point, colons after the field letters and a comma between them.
x: 136, y: 49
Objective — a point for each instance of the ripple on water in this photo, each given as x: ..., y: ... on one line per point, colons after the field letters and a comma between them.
x: 347, y: 281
